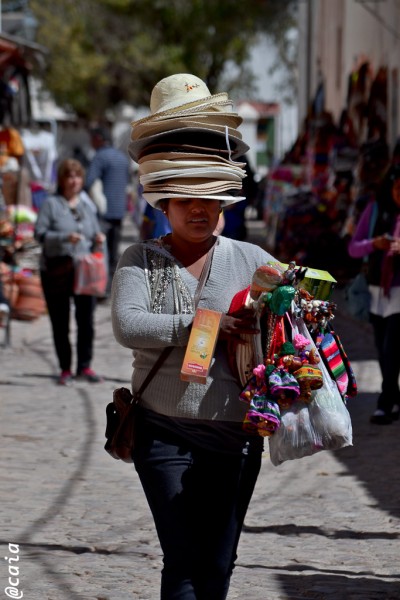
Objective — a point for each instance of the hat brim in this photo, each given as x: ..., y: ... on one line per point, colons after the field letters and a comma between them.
x: 194, y: 187
x: 173, y: 149
x: 173, y: 158
x: 201, y: 137
x: 154, y: 198
x: 154, y: 127
x: 215, y: 100
x: 165, y: 168
x: 209, y: 115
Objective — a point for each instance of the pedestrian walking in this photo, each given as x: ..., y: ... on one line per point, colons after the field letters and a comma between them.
x: 377, y: 237
x: 109, y: 169
x: 154, y: 224
x: 67, y: 226
x: 197, y: 465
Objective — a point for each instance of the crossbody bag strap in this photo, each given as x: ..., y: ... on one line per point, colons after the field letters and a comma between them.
x: 167, y: 351
x: 204, y: 275
x: 160, y: 360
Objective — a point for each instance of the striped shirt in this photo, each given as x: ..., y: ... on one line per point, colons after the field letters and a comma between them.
x: 111, y: 166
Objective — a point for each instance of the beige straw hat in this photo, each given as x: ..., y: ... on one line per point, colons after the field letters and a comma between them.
x: 187, y: 146
x: 180, y: 92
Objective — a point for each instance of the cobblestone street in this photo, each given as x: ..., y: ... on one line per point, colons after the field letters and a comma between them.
x: 323, y: 527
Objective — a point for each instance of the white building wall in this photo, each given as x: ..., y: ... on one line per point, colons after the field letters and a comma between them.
x: 335, y: 37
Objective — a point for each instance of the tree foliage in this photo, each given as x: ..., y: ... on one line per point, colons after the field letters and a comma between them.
x: 104, y: 52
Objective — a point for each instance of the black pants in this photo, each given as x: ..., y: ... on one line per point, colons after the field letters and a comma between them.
x: 112, y: 228
x: 387, y: 336
x: 57, y: 283
x: 199, y: 500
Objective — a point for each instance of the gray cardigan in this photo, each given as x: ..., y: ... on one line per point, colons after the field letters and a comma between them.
x: 146, y: 333
x: 55, y: 222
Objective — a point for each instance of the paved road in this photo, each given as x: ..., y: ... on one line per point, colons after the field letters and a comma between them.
x: 323, y: 527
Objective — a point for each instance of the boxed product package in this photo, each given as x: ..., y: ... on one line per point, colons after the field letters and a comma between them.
x: 201, y: 345
x: 318, y: 283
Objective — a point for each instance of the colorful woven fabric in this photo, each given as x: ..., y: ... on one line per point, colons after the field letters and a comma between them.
x: 351, y: 390
x: 330, y: 352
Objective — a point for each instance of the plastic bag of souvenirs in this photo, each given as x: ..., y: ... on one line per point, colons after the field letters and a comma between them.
x: 322, y: 424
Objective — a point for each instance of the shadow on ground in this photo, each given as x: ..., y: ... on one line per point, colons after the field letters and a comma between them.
x: 323, y: 586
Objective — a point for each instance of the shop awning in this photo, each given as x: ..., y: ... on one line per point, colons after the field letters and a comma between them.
x: 18, y: 58
x: 17, y: 52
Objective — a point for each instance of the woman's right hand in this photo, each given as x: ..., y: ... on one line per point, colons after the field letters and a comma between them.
x: 241, y: 322
x: 74, y: 237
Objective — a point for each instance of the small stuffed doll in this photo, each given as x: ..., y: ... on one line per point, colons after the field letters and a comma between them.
x: 301, y: 344
x: 288, y: 359
x: 309, y: 377
x: 263, y: 413
x: 293, y: 275
x: 308, y: 374
x: 283, y: 387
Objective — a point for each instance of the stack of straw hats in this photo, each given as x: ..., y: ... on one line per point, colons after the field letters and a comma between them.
x: 187, y: 147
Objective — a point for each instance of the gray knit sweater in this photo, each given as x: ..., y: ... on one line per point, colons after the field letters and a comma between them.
x: 56, y: 222
x: 146, y: 333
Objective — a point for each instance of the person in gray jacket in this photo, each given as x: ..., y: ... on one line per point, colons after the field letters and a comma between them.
x: 110, y: 168
x: 67, y: 226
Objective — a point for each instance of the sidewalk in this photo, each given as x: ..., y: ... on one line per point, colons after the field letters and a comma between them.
x: 323, y: 527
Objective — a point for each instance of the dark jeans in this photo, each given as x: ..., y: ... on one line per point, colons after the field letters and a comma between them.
x: 198, y: 500
x: 387, y: 340
x: 58, y: 291
x: 112, y: 228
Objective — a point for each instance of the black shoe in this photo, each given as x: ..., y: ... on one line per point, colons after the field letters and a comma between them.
x: 395, y: 414
x: 380, y: 418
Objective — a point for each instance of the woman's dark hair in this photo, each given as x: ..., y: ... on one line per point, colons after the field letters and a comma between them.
x: 65, y: 168
x: 384, y: 193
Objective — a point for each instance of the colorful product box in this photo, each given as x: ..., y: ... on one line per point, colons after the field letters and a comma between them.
x: 201, y: 345
x: 319, y: 284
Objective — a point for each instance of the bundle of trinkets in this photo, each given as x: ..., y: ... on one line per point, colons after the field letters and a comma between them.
x: 297, y: 362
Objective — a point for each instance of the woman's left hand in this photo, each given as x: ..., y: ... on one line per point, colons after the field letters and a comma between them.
x: 99, y: 238
x: 395, y: 246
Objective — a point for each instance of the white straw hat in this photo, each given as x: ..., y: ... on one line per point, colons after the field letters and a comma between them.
x: 180, y: 92
x: 187, y: 147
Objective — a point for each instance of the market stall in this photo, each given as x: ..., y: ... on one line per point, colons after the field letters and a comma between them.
x: 20, y: 288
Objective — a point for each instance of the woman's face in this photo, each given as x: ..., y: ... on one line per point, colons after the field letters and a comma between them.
x: 72, y: 184
x: 396, y: 192
x: 193, y: 219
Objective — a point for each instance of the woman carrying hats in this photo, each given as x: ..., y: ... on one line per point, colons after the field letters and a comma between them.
x: 197, y: 465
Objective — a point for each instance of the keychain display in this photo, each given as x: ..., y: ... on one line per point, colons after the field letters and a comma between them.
x: 289, y: 370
